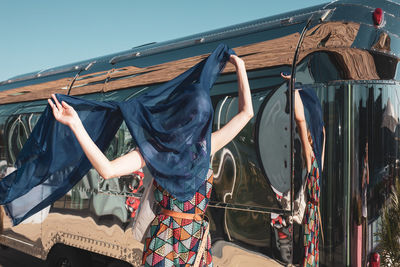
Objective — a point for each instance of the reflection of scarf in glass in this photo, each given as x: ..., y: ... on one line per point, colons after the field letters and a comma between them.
x: 171, y: 126
x: 313, y: 114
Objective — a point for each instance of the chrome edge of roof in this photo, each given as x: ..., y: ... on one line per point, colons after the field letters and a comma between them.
x: 285, y: 19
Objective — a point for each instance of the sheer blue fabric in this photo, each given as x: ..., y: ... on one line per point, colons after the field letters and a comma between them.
x: 171, y: 125
x: 314, y: 119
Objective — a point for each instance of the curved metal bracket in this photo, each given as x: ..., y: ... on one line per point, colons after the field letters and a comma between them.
x: 77, y: 75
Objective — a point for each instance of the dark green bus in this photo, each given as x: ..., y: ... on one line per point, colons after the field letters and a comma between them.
x: 346, y: 50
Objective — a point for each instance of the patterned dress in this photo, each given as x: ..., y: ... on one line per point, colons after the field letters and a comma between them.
x: 311, y: 217
x: 174, y: 241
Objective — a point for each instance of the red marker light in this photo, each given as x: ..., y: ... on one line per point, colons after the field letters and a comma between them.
x: 375, y: 260
x: 378, y: 16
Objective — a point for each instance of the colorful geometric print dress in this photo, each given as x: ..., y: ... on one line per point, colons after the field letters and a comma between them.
x: 311, y: 217
x: 175, y: 241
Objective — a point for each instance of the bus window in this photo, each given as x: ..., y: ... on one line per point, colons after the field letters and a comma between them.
x: 377, y: 154
x: 120, y: 145
x: 238, y: 174
x: 16, y: 130
x: 333, y: 183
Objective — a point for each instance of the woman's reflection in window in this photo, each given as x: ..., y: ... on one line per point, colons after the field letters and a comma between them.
x: 308, y: 117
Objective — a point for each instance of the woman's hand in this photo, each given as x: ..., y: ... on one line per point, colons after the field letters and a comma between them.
x: 63, y: 112
x: 286, y: 76
x: 236, y: 61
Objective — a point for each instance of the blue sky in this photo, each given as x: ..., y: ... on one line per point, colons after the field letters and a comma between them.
x: 40, y: 34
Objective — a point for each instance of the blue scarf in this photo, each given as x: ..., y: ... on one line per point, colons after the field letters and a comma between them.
x: 314, y: 119
x: 171, y: 125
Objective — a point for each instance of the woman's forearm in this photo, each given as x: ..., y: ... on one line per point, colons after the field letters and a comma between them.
x: 245, y: 103
x: 323, y: 149
x: 123, y: 165
x: 302, y: 128
x: 92, y: 152
x: 224, y: 135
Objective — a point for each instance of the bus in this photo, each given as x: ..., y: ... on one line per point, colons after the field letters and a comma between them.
x: 345, y: 50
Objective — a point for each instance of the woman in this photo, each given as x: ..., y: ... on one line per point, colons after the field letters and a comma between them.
x: 308, y: 117
x: 364, y: 204
x: 187, y: 218
x: 312, y: 218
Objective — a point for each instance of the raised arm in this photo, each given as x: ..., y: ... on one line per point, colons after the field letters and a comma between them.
x: 224, y: 135
x: 123, y: 165
x: 323, y: 149
x: 365, y: 171
x: 300, y: 119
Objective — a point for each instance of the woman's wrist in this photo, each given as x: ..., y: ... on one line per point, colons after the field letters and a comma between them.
x: 239, y: 64
x: 237, y: 61
x: 75, y: 125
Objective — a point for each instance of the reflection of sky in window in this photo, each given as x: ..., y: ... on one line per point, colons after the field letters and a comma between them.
x: 377, y: 93
x: 394, y: 98
x: 390, y: 94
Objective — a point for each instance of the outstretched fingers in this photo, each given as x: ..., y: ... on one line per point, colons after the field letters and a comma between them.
x: 50, y: 103
x: 65, y: 105
x: 55, y: 108
x: 56, y: 101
